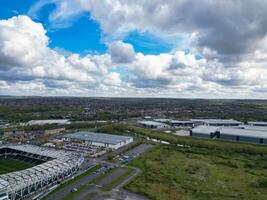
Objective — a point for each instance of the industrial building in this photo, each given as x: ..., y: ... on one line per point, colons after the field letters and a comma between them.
x: 241, y: 133
x: 153, y: 124
x: 162, y: 120
x: 99, y: 139
x: 52, y: 167
x: 204, y: 131
x: 181, y: 123
x: 48, y: 121
x: 217, y: 122
x: 257, y: 123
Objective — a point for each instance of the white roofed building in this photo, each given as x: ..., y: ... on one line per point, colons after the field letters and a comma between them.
x: 48, y: 121
x: 153, y: 124
x: 99, y: 139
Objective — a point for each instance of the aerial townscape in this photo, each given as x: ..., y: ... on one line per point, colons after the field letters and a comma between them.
x: 133, y: 100
x: 72, y: 148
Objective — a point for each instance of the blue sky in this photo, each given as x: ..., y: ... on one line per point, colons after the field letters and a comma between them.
x: 134, y: 48
x: 83, y: 35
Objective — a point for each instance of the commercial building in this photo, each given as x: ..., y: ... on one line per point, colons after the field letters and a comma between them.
x: 162, y: 120
x: 243, y: 133
x: 204, y: 131
x: 99, y: 139
x: 22, y: 136
x: 49, y: 121
x: 257, y: 123
x: 181, y: 123
x: 217, y: 122
x: 153, y: 124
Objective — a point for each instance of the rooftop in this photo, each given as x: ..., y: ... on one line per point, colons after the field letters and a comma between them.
x: 151, y: 123
x: 205, y: 129
x: 48, y: 121
x: 98, y: 137
x: 243, y: 132
x: 217, y: 121
x: 258, y: 123
x: 237, y: 131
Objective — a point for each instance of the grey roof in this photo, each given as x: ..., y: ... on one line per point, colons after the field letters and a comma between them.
x: 243, y: 132
x: 98, y: 137
x: 256, y: 128
x: 258, y: 123
x: 217, y: 121
x: 48, y: 121
x: 151, y: 123
x: 205, y: 129
x: 235, y: 131
x: 162, y: 120
x: 181, y: 121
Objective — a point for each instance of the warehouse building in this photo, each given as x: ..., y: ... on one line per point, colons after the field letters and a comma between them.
x: 204, y: 131
x: 257, y: 124
x: 48, y: 121
x: 162, y: 120
x: 181, y: 123
x: 153, y: 124
x: 99, y: 139
x: 242, y: 133
x: 217, y: 122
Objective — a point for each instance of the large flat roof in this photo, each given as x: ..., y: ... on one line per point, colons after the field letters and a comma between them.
x: 151, y: 123
x: 203, y: 129
x: 181, y: 121
x: 217, y: 121
x: 243, y: 132
x: 256, y: 128
x: 235, y: 131
x: 98, y: 137
x: 258, y: 123
x: 48, y: 121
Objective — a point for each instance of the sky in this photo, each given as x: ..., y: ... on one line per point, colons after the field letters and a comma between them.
x: 134, y: 48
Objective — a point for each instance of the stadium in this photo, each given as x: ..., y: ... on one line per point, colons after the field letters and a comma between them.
x: 26, y: 170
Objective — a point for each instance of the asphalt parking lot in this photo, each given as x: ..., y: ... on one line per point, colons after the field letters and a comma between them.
x: 133, y: 153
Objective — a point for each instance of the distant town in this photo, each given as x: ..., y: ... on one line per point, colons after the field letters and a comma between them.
x: 49, y: 151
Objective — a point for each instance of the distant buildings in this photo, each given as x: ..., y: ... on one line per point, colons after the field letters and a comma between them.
x: 18, y: 135
x: 49, y: 121
x: 182, y: 123
x: 216, y: 122
x: 153, y: 124
x: 99, y: 139
x: 242, y: 133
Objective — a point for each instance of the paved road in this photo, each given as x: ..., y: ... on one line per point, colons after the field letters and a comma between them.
x: 59, y: 195
x: 118, y: 192
x: 108, y: 179
x: 129, y: 178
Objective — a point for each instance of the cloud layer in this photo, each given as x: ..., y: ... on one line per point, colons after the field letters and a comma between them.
x: 230, y: 36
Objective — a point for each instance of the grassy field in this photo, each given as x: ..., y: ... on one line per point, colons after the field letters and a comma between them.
x: 197, y: 173
x: 10, y: 165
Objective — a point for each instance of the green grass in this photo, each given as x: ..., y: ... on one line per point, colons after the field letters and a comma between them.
x: 118, y: 180
x: 200, y: 174
x: 90, y: 195
x: 71, y: 181
x: 10, y: 165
